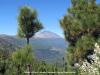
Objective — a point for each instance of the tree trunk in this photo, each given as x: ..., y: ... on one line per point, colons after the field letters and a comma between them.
x: 27, y: 40
x: 18, y: 70
x: 29, y: 69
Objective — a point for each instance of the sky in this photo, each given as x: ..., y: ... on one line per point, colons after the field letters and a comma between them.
x: 49, y: 13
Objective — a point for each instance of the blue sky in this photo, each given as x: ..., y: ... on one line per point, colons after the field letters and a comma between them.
x: 49, y: 13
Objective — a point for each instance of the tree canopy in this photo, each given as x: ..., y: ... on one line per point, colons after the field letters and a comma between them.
x: 81, y: 26
x: 28, y: 23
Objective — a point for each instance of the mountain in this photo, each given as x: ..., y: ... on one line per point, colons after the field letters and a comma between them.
x: 6, y: 48
x: 47, y: 46
x: 46, y: 34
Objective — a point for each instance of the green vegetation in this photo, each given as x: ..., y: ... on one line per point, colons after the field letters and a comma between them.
x: 28, y: 23
x: 23, y: 60
x: 81, y: 27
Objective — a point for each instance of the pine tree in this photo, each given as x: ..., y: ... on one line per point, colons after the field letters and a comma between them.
x: 81, y: 26
x: 23, y: 57
x: 28, y: 23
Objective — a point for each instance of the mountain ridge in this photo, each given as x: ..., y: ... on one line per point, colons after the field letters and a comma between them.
x: 44, y: 48
x: 41, y: 34
x: 46, y: 34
